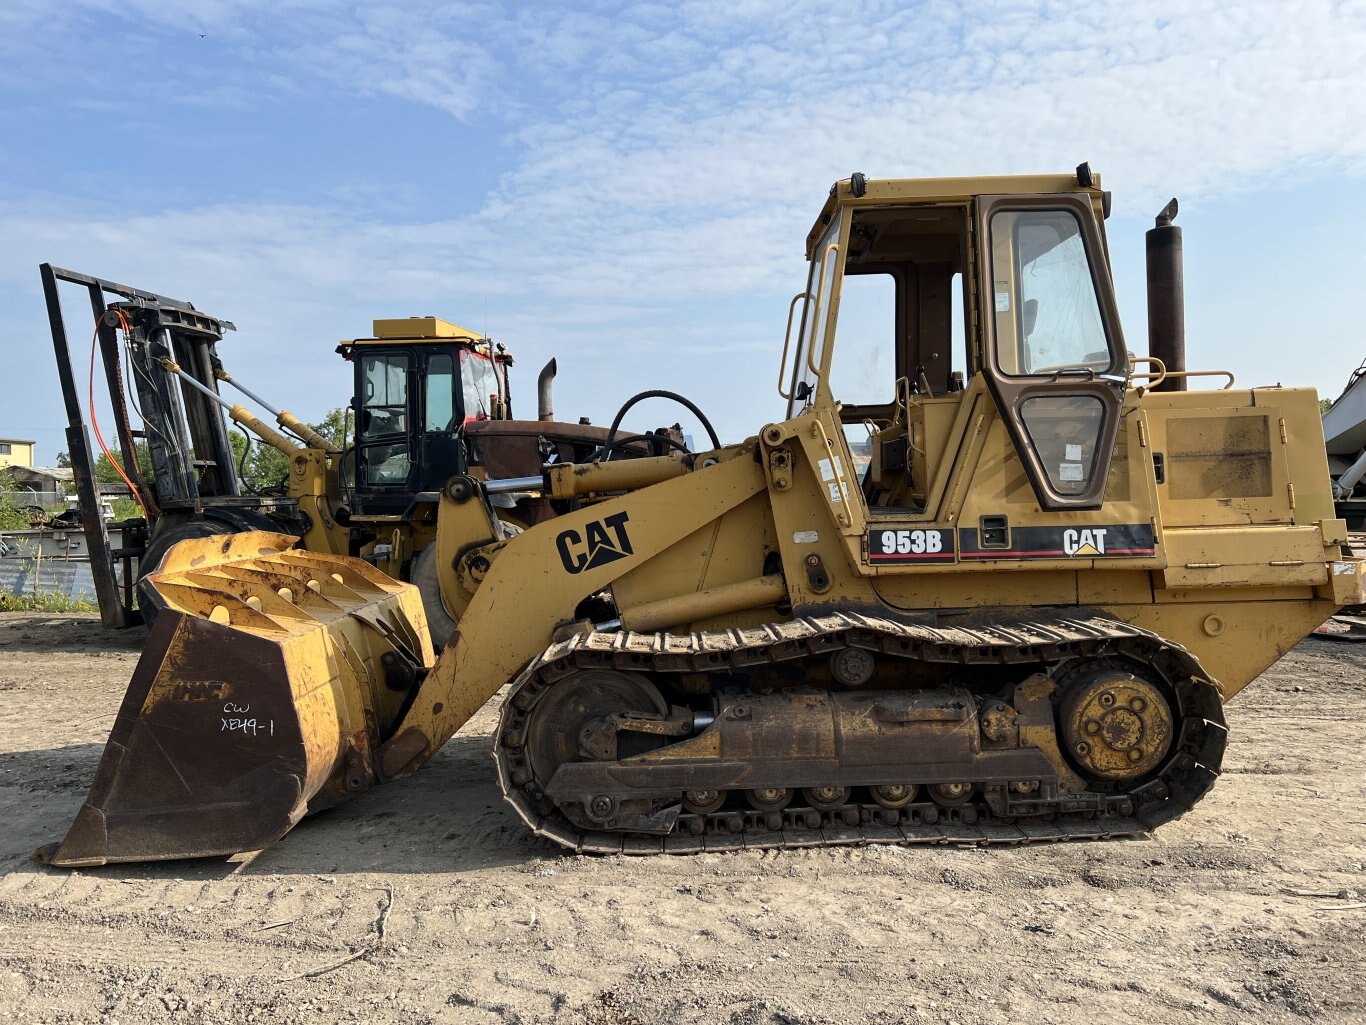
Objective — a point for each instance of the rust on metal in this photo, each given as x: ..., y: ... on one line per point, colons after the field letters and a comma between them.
x: 207, y: 754
x: 807, y: 767
x: 1116, y: 726
x: 259, y: 697
x: 399, y: 753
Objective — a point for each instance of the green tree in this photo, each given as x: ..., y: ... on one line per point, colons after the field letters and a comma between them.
x: 126, y: 509
x: 1324, y: 404
x: 11, y: 516
x: 333, y: 426
x: 107, y: 473
x: 104, y: 469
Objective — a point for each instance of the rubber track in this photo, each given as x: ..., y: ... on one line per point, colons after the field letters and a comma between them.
x: 1052, y: 637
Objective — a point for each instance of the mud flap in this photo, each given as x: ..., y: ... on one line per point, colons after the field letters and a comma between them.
x: 261, y: 695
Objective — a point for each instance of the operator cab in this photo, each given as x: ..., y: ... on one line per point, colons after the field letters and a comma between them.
x: 418, y: 382
x: 926, y: 284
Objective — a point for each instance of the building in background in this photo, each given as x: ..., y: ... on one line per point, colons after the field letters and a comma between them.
x: 43, y: 485
x: 15, y: 452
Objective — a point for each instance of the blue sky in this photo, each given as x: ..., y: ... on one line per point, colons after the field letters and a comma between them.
x: 628, y: 187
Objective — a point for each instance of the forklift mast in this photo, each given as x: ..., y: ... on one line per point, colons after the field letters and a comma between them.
x: 186, y: 436
x: 184, y: 431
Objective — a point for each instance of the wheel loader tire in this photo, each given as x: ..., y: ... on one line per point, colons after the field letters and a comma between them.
x: 439, y: 622
x: 160, y: 545
x: 423, y: 576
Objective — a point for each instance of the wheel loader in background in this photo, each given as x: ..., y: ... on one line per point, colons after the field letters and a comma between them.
x: 430, y: 400
x: 1020, y: 621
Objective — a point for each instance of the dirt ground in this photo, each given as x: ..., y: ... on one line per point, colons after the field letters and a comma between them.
x: 487, y: 924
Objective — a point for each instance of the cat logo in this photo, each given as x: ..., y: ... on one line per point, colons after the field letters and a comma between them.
x: 1084, y: 542
x: 597, y: 548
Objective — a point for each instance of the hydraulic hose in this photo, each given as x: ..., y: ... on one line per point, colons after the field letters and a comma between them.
x: 658, y: 393
x: 629, y: 439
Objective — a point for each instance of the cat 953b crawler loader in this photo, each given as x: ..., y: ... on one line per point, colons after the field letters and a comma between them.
x: 991, y: 579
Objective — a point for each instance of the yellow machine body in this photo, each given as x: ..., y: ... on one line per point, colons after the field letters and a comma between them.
x: 409, y: 328
x: 1004, y: 603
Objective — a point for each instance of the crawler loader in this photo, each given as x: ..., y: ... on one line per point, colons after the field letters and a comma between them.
x: 990, y: 579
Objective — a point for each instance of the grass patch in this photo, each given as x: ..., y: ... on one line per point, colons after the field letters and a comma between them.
x: 45, y: 603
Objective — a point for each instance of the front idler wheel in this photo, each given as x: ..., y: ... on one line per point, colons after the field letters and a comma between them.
x: 556, y: 723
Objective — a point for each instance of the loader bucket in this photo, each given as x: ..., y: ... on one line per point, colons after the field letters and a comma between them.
x: 268, y: 681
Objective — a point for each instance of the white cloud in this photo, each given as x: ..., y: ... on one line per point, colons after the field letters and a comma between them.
x: 669, y: 159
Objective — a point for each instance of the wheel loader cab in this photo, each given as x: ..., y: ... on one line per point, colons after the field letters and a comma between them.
x: 418, y: 382
x: 921, y: 303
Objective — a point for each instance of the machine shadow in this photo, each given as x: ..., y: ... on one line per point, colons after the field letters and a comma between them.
x: 56, y: 770
x: 449, y: 817
x: 46, y: 632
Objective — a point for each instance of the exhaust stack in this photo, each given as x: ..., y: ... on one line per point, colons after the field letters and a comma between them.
x: 544, y: 407
x: 1167, y: 297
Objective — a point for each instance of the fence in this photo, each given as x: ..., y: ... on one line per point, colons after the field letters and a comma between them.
x: 25, y: 576
x: 44, y: 498
x: 44, y: 562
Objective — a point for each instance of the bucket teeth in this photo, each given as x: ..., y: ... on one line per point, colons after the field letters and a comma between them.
x: 261, y: 696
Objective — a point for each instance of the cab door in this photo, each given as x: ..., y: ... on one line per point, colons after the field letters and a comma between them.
x: 1053, y: 356
x: 384, y: 444
x: 441, y: 443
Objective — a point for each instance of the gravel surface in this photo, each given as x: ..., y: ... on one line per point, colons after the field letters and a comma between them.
x: 426, y: 901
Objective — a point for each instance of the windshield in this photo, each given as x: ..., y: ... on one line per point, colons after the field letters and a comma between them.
x: 1047, y: 314
x: 384, y: 415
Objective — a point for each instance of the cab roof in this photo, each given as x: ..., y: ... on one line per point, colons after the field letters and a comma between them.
x: 914, y: 191
x: 418, y: 329
x: 423, y: 331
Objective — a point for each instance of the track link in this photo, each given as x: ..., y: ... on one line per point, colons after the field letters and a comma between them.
x: 1187, y: 774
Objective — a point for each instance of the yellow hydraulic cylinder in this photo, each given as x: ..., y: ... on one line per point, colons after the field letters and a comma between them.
x: 569, y: 480
x: 294, y: 425
x: 239, y: 413
x: 283, y: 417
x: 698, y: 605
x: 266, y: 433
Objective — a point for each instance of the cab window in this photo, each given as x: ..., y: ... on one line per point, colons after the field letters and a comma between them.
x: 384, y: 456
x: 1047, y: 314
x: 1066, y: 431
x: 864, y: 372
x: 440, y: 412
x: 386, y: 396
x: 479, y: 383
